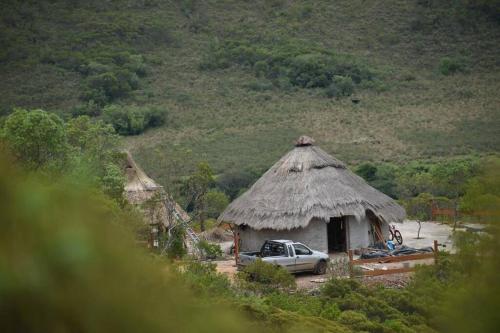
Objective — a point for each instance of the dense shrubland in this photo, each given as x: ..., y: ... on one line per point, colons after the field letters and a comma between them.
x: 290, y: 63
x: 66, y: 227
x: 428, y: 304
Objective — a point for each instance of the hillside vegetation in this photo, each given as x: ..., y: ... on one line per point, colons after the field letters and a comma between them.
x: 235, y: 82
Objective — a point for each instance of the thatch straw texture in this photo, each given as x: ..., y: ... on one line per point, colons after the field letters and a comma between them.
x: 308, y: 183
x: 156, y: 204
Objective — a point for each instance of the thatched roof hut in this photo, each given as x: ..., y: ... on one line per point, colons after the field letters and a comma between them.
x: 307, y: 185
x: 157, y: 205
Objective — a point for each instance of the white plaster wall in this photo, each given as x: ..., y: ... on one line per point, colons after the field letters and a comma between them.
x: 314, y: 236
x: 358, y: 232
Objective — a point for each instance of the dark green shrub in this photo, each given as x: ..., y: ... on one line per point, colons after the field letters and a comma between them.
x: 451, y: 65
x: 335, y: 287
x: 330, y: 311
x: 90, y: 108
x: 266, y: 277
x: 132, y: 120
x: 261, y: 68
x: 299, y: 302
x: 204, y: 279
x: 290, y: 63
x: 358, y: 322
x: 210, y: 250
x: 260, y: 85
x: 175, y: 241
x: 341, y: 86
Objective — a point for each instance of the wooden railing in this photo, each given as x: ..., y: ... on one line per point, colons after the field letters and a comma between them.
x: 384, y: 260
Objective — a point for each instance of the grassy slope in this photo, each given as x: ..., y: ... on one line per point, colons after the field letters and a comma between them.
x: 415, y: 113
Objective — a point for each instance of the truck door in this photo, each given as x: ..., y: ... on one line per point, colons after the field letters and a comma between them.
x: 303, y: 258
x: 278, y: 254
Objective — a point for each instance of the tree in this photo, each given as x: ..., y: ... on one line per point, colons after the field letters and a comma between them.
x: 93, y: 142
x: 196, y: 188
x: 216, y: 201
x: 482, y: 192
x: 452, y: 177
x: 36, y: 138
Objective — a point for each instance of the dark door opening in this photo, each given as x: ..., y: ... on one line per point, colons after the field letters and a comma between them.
x: 337, y: 234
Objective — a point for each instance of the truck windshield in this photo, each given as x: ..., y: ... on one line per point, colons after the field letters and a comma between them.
x: 272, y: 249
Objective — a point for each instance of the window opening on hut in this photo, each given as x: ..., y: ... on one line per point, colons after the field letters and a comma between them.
x: 337, y: 234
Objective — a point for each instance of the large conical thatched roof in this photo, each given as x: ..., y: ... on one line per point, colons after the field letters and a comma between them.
x: 308, y: 183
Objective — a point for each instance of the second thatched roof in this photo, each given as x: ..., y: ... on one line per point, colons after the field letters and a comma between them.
x: 308, y: 183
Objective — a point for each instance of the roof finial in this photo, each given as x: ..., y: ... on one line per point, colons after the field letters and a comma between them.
x: 304, y: 140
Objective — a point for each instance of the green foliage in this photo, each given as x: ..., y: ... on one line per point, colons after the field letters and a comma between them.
x: 297, y: 302
x: 176, y: 248
x: 196, y: 188
x: 357, y: 321
x: 383, y: 177
x: 113, y: 182
x: 210, y: 250
x: 265, y: 277
x: 335, y: 288
x: 204, y: 279
x: 217, y: 201
x: 419, y: 207
x: 232, y: 182
x: 449, y: 66
x: 305, y: 67
x: 36, y: 138
x: 482, y: 192
x: 367, y: 171
x: 132, y: 120
x: 341, y: 86
x: 68, y: 261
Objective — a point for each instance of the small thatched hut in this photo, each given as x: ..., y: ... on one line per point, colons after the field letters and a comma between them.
x: 311, y: 197
x: 157, y: 205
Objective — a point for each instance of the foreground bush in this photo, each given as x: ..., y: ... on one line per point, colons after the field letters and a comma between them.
x: 263, y: 276
x: 69, y: 263
x: 210, y: 250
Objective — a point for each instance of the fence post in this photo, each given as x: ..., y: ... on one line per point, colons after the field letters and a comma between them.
x: 436, y: 249
x: 351, y: 270
x: 236, y: 247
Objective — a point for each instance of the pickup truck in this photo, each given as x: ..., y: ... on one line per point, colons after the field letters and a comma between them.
x: 293, y: 256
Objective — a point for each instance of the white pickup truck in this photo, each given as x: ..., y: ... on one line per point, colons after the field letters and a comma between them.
x: 293, y: 256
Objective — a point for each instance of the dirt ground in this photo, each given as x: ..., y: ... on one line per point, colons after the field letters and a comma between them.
x: 430, y: 231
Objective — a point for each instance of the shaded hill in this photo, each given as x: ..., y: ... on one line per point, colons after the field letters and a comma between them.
x: 240, y: 80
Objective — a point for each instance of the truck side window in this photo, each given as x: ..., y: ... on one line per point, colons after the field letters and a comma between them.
x: 301, y: 250
x: 272, y: 249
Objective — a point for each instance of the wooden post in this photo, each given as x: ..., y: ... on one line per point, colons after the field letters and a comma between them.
x: 436, y: 249
x: 351, y: 268
x: 236, y: 247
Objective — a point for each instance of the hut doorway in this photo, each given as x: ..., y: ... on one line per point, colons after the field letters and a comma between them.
x: 337, y: 234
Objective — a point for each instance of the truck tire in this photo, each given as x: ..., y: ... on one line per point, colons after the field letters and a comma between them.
x: 320, y: 268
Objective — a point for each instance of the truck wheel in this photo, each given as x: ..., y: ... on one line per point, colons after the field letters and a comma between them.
x: 320, y: 268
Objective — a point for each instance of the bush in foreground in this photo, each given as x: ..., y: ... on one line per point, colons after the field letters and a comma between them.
x: 265, y: 277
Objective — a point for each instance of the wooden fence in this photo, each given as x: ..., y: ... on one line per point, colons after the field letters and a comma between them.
x: 374, y: 272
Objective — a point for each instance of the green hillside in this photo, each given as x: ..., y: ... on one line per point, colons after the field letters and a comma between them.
x: 240, y: 80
